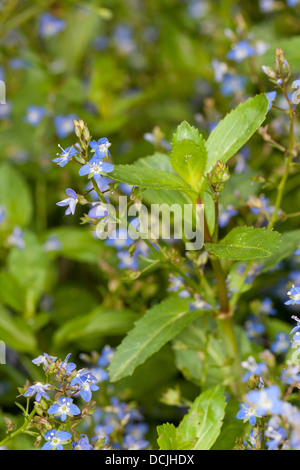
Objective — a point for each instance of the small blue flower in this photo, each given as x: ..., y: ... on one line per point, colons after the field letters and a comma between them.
x: 67, y: 367
x: 220, y: 69
x: 294, y: 295
x: 101, y: 146
x: 17, y: 238
x: 39, y: 390
x: 253, y: 368
x: 266, y: 400
x: 63, y: 408
x: 276, y: 433
x: 291, y: 375
x: 119, y: 239
x: 271, y: 97
x: 232, y: 84
x: 98, y: 210
x: 106, y: 356
x: 71, y: 202
x: 34, y: 115
x: 65, y: 156
x: 56, y: 439
x: 248, y: 414
x: 297, y: 252
x: 226, y: 214
x: 240, y: 51
x: 281, y: 344
x: 96, y: 167
x: 267, y: 6
x: 127, y: 261
x: 292, y: 3
x: 266, y: 307
x: 82, y: 443
x: 87, y: 386
x: 50, y: 25
x: 254, y: 328
x: 131, y: 443
x: 44, y: 359
x: 52, y: 244
x: 64, y: 125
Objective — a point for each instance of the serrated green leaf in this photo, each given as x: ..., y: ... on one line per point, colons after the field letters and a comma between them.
x: 170, y: 438
x: 204, y: 419
x: 158, y: 326
x: 244, y: 243
x: 235, y: 130
x: 187, y: 132
x: 148, y: 178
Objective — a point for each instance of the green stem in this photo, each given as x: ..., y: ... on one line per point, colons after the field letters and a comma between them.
x: 288, y: 163
x: 20, y: 430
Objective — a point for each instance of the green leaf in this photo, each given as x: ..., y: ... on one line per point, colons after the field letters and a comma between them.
x: 15, y: 332
x: 170, y: 438
x: 186, y: 132
x: 158, y: 326
x: 289, y: 244
x: 15, y: 197
x: 235, y: 130
x: 244, y: 243
x: 204, y: 419
x: 148, y: 178
x: 189, y: 160
x: 11, y: 293
x: 29, y: 265
x: 232, y: 428
x: 97, y: 323
x: 189, y: 154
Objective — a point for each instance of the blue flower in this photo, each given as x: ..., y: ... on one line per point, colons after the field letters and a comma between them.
x: 281, y: 344
x: 226, y: 214
x: 50, y: 25
x: 127, y: 261
x: 266, y: 307
x: 65, y: 156
x: 131, y: 443
x: 101, y: 146
x: 82, y: 443
x: 248, y: 414
x: 44, y: 359
x: 271, y: 97
x: 56, y: 439
x: 266, y: 6
x: 253, y: 368
x: 16, y: 238
x: 220, y: 69
x: 297, y: 252
x: 86, y: 382
x: 64, y: 125
x: 294, y: 295
x: 71, y: 202
x: 67, y: 367
x: 275, y: 432
x: 34, y: 115
x: 266, y: 400
x: 291, y: 375
x: 254, y: 327
x: 39, y: 390
x: 52, y: 244
x: 87, y: 386
x: 119, y: 239
x: 106, y: 356
x: 232, y: 84
x: 96, y: 167
x: 63, y: 408
x: 98, y: 210
x: 240, y: 51
x: 292, y: 3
